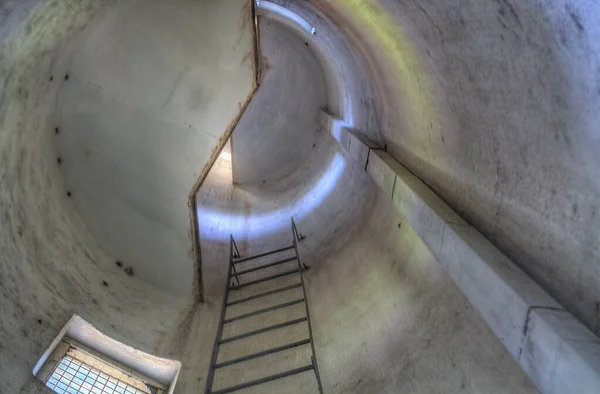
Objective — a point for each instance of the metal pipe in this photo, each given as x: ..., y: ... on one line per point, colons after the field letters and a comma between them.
x: 265, y: 279
x: 233, y: 252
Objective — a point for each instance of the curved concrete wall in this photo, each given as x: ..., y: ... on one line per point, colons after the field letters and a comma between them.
x: 494, y: 105
x: 491, y: 103
x: 51, y: 263
x: 281, y: 119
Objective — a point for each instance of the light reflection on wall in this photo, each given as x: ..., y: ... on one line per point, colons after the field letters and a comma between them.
x: 393, y: 41
x: 215, y: 225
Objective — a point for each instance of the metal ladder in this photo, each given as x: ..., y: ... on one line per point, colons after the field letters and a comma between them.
x: 233, y: 274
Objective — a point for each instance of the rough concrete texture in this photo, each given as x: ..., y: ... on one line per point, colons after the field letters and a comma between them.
x: 558, y: 353
x: 491, y: 103
x: 152, y: 87
x: 51, y: 266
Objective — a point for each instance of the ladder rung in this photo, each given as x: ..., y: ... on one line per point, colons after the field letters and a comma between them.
x: 263, y: 330
x: 265, y: 294
x: 260, y: 311
x: 264, y: 380
x: 242, y: 259
x: 265, y: 279
x: 263, y: 353
x: 265, y: 266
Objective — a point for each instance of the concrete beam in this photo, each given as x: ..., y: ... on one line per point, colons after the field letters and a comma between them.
x: 558, y: 353
x: 354, y: 142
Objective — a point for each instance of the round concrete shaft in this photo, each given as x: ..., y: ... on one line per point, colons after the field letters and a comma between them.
x: 111, y: 110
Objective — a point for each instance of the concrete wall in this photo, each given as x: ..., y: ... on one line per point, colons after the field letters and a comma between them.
x: 552, y: 346
x: 494, y: 105
x: 152, y: 88
x: 386, y: 318
x: 404, y: 326
x: 491, y: 103
x: 51, y: 265
x: 413, y: 60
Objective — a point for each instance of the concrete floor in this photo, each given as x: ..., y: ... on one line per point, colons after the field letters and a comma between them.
x: 493, y: 104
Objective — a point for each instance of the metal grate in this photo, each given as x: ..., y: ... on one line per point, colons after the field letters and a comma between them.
x: 71, y: 376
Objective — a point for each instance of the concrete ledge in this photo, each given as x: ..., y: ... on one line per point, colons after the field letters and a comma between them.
x: 557, y: 352
x: 354, y: 142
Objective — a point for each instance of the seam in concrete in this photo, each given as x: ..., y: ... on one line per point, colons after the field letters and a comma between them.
x: 192, y: 203
x: 369, y: 156
x: 442, y: 240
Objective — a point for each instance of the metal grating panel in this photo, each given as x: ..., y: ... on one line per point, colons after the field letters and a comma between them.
x: 72, y: 376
